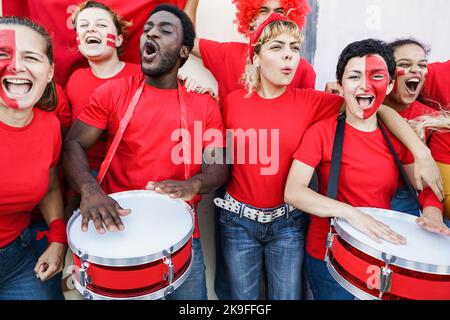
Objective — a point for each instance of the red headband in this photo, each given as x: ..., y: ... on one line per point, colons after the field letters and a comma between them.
x: 255, y: 35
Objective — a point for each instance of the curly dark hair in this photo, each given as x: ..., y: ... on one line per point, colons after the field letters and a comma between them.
x: 186, y: 24
x: 363, y: 48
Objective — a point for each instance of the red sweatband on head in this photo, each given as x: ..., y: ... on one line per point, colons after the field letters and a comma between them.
x: 56, y: 232
x: 254, y: 37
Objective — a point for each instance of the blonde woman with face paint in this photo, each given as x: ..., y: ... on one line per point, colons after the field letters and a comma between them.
x: 256, y: 224
x: 365, y: 71
x: 30, y: 148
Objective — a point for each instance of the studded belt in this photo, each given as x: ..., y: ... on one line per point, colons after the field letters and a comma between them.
x: 256, y: 214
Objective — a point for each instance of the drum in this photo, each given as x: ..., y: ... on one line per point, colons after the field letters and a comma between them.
x: 419, y: 270
x: 148, y: 260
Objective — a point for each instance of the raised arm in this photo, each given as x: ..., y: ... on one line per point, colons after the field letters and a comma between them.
x: 191, y: 11
x: 298, y: 194
x: 426, y: 172
x: 95, y: 204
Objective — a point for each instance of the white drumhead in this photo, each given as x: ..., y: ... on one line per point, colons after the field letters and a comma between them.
x: 422, y: 246
x: 156, y: 223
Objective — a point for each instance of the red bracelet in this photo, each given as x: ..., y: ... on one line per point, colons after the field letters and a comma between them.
x: 56, y: 232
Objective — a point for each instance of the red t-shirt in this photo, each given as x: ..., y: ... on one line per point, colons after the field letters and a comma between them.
x: 437, y: 85
x: 26, y: 156
x: 416, y: 109
x: 440, y: 146
x: 55, y: 16
x: 364, y: 154
x: 289, y: 115
x: 79, y: 88
x: 227, y: 61
x: 144, y: 153
x: 62, y: 110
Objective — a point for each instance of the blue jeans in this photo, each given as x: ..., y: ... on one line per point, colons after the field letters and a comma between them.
x: 322, y: 284
x: 248, y: 244
x: 17, y: 278
x: 221, y: 281
x: 194, y: 288
x: 403, y: 201
x: 53, y: 284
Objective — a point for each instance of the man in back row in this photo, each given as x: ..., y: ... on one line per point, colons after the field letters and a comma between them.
x: 143, y: 157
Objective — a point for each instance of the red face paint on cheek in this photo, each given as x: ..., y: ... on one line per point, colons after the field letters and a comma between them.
x: 111, y: 40
x: 8, y: 63
x: 398, y: 73
x: 376, y: 66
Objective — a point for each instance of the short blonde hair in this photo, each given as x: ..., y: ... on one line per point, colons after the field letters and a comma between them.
x: 252, y: 75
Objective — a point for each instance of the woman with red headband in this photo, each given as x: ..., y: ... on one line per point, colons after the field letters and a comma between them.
x: 227, y: 60
x: 257, y: 226
x: 31, y: 143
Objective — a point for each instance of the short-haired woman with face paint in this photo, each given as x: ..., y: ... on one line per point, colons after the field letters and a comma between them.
x: 368, y: 173
x: 257, y: 226
x: 30, y: 149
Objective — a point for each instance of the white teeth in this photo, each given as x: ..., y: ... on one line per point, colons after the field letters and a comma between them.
x: 18, y: 81
x: 92, y: 39
x: 365, y: 97
x: 414, y: 80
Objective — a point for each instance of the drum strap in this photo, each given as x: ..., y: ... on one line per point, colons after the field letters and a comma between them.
x: 336, y: 158
x: 126, y: 119
x: 408, y: 183
x: 122, y: 126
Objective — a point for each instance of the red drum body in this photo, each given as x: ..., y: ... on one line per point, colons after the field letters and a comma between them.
x: 419, y: 270
x: 148, y: 260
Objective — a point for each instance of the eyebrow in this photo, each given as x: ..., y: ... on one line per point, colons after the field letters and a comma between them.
x: 283, y: 42
x: 33, y: 52
x: 408, y: 60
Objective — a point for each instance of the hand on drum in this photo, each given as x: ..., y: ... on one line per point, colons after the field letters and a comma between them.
x: 373, y: 228
x: 103, y: 210
x: 432, y: 221
x: 185, y: 190
x: 51, y: 261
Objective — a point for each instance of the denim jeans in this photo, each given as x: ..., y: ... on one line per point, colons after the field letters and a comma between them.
x: 279, y: 245
x: 17, y: 278
x: 221, y: 278
x: 54, y: 284
x: 403, y: 201
x: 322, y: 284
x: 194, y: 288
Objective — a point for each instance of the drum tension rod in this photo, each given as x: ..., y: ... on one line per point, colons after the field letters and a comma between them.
x: 84, y: 278
x: 330, y: 238
x: 170, y: 274
x: 386, y: 275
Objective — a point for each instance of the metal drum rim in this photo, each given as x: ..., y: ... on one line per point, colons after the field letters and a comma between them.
x: 399, y: 262
x: 132, y: 261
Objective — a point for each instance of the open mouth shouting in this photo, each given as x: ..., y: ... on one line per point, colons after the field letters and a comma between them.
x: 150, y: 50
x: 16, y: 87
x: 412, y: 85
x: 92, y: 41
x: 365, y: 100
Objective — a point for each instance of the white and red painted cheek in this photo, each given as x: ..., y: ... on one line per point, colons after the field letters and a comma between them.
x: 8, y: 66
x: 372, y: 91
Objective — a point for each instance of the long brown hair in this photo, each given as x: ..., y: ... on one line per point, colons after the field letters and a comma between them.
x: 49, y: 99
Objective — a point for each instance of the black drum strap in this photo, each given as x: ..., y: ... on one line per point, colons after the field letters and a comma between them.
x: 408, y: 183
